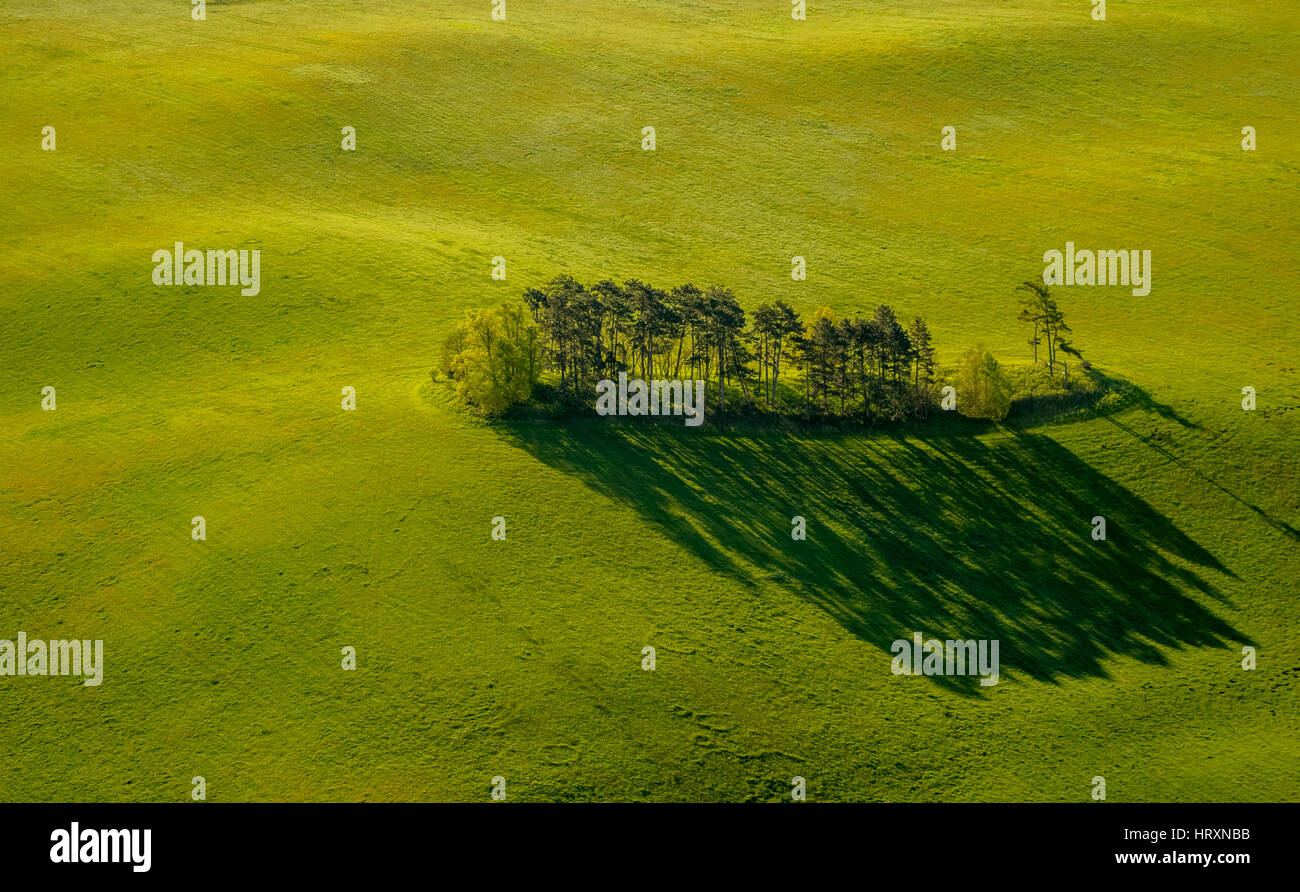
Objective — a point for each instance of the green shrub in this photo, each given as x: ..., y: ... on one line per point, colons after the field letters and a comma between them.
x: 983, y: 390
x: 494, y: 359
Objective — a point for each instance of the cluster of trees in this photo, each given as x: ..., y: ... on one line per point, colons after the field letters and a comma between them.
x: 494, y: 357
x: 1039, y: 309
x: 869, y: 367
x: 983, y: 388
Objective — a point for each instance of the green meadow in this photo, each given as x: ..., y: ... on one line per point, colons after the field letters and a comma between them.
x: 522, y: 658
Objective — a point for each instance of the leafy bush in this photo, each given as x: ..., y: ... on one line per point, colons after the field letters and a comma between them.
x: 493, y: 357
x: 983, y: 390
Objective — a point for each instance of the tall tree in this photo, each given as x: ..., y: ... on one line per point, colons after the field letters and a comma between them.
x: 1031, y: 310
x: 923, y: 367
x: 685, y: 300
x: 615, y: 314
x: 557, y: 322
x: 825, y: 352
x: 725, y: 320
x: 764, y: 322
x: 1040, y: 310
x: 786, y: 326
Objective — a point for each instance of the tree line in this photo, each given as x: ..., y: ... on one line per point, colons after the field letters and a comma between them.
x: 867, y: 367
x: 871, y: 367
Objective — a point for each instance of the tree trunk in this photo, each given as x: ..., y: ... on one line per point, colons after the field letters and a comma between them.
x: 722, y: 376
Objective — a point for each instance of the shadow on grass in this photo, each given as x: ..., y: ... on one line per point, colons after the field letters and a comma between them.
x: 1094, y: 393
x: 953, y: 537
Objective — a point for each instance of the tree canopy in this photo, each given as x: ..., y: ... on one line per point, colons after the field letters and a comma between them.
x: 983, y: 390
x: 494, y: 358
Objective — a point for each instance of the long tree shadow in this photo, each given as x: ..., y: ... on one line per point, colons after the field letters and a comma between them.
x: 1050, y: 409
x: 953, y: 537
x: 1280, y: 525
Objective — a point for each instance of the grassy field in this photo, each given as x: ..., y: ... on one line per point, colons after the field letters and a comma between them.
x: 522, y: 658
